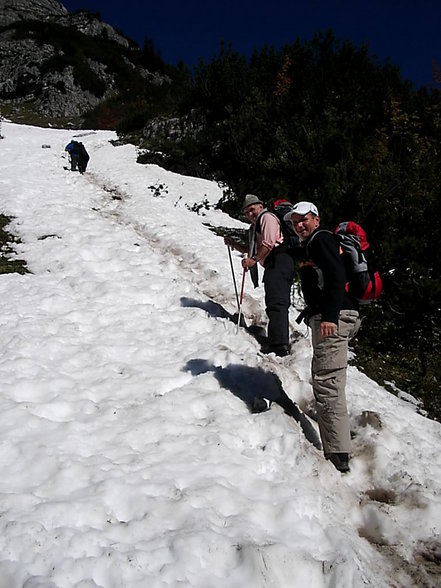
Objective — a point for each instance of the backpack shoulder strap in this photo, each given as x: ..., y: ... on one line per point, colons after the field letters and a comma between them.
x: 257, y: 225
x: 308, y: 244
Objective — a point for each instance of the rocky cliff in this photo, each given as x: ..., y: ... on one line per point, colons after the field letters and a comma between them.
x: 14, y: 10
x: 59, y: 64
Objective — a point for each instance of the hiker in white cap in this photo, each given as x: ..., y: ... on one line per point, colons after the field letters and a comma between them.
x: 333, y: 318
x: 266, y: 248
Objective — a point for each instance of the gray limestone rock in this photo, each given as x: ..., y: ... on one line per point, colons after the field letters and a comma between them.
x: 27, y: 70
x: 13, y: 10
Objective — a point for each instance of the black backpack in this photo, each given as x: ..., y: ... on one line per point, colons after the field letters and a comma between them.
x: 291, y: 242
x: 82, y: 152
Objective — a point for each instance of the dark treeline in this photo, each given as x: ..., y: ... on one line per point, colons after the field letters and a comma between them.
x: 324, y: 121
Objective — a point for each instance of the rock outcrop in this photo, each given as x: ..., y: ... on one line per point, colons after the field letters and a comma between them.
x: 38, y: 69
x: 15, y: 10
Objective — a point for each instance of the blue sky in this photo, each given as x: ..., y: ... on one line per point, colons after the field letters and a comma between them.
x: 407, y: 32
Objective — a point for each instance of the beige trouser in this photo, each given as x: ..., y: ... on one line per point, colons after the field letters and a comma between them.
x: 328, y: 368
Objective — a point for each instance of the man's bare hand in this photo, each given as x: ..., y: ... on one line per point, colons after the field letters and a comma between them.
x: 327, y: 329
x: 229, y: 242
x: 248, y: 262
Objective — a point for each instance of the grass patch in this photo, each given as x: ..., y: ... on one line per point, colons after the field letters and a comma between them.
x: 25, y: 114
x: 7, y: 265
x: 403, y: 370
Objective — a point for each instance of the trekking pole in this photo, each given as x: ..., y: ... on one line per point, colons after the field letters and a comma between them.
x: 241, y: 299
x: 234, y: 279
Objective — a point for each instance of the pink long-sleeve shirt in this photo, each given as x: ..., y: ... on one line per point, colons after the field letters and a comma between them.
x: 270, y: 235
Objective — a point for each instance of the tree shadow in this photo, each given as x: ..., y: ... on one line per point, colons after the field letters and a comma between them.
x: 254, y: 386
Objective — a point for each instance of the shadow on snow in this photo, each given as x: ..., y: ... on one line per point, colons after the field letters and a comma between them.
x: 215, y: 310
x: 254, y: 385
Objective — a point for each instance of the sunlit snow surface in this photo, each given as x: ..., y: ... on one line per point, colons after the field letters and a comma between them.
x: 129, y: 454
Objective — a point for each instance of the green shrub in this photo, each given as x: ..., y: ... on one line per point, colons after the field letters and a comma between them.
x: 8, y: 264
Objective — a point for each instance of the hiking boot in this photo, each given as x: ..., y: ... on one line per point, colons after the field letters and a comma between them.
x: 260, y: 405
x: 339, y: 460
x: 279, y: 350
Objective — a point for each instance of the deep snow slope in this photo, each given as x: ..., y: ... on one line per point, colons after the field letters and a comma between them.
x: 129, y: 454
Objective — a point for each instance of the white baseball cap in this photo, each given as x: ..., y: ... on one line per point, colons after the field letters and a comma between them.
x: 301, y: 208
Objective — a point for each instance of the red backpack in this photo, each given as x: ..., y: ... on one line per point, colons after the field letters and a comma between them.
x: 364, y: 281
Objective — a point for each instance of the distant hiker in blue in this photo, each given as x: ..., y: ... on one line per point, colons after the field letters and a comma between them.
x: 333, y: 318
x: 78, y: 156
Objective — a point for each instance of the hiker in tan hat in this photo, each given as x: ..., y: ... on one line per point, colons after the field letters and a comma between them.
x: 266, y: 248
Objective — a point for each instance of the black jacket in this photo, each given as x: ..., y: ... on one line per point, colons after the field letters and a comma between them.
x: 323, y: 277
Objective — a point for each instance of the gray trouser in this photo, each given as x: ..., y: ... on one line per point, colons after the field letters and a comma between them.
x: 328, y: 368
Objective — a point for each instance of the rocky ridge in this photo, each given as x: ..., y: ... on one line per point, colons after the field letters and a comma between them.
x: 42, y: 74
x: 15, y: 10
